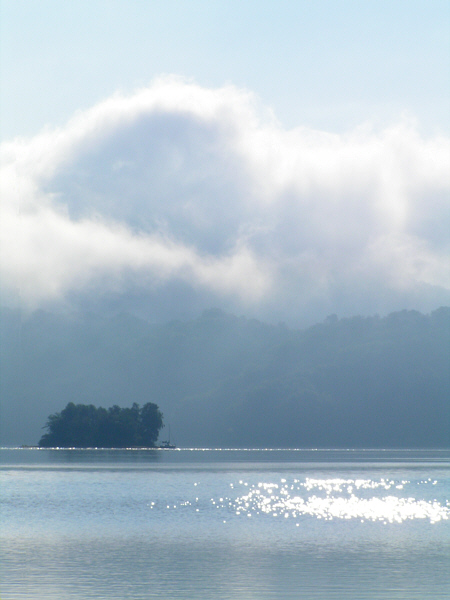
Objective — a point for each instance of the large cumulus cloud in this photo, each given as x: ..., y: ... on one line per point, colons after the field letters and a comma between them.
x: 181, y: 185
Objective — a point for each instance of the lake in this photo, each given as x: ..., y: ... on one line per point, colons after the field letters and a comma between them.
x: 225, y: 524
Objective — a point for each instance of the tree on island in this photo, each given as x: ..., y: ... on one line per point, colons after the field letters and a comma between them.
x: 85, y: 426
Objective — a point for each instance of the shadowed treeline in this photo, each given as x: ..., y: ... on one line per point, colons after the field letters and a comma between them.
x: 222, y: 380
x: 84, y: 426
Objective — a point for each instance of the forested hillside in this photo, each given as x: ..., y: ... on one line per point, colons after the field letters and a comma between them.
x: 222, y: 380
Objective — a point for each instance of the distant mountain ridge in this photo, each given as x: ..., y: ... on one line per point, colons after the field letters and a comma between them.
x: 227, y: 381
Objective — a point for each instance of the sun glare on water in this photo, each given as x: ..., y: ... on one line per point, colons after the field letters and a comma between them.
x: 383, y: 500
x: 339, y: 499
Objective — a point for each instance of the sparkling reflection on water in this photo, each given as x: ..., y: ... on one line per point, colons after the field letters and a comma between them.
x: 225, y: 524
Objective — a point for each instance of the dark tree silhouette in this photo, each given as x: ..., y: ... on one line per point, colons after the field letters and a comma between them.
x: 85, y: 426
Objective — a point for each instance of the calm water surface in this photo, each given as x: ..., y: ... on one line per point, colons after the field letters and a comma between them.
x: 224, y: 524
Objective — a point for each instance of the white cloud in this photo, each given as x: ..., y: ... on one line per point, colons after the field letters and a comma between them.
x: 182, y: 183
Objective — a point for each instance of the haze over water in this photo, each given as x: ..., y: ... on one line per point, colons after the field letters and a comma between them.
x: 225, y: 524
x: 285, y: 164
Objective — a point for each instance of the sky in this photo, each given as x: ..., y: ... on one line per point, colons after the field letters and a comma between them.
x: 285, y: 160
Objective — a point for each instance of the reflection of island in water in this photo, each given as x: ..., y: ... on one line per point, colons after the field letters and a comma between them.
x: 97, y: 457
x: 86, y: 426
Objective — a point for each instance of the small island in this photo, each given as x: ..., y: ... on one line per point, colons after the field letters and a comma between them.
x: 86, y: 426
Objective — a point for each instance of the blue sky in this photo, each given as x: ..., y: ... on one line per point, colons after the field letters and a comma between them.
x: 283, y: 160
x: 326, y: 64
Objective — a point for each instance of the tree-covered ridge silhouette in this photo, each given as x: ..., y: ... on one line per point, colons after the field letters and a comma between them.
x: 86, y: 426
x: 229, y: 381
